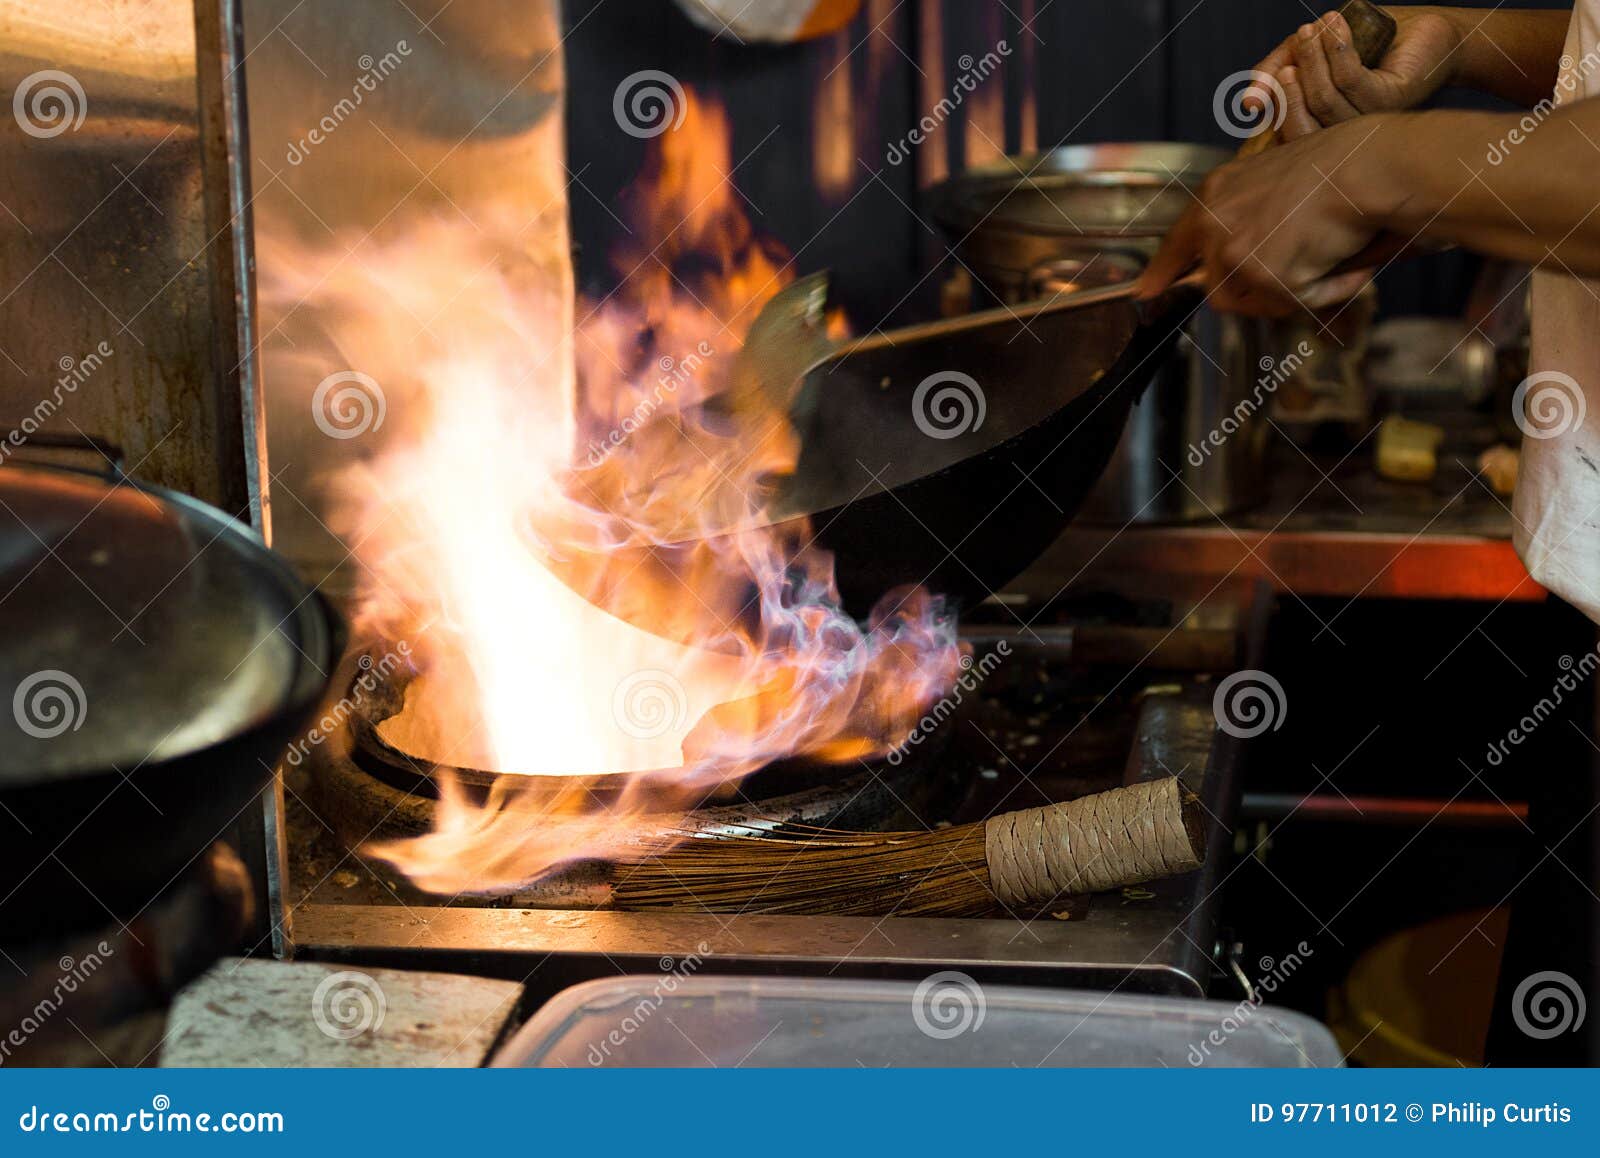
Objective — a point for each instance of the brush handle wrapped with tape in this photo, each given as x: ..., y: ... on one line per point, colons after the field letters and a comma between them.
x: 1122, y: 837
x: 1017, y: 862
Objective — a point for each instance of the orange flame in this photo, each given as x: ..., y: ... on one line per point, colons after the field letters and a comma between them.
x: 545, y: 486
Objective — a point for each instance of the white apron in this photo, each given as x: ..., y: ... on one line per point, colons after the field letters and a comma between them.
x: 1557, y: 503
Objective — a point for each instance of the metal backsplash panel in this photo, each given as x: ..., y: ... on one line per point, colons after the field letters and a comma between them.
x: 368, y: 121
x: 106, y: 304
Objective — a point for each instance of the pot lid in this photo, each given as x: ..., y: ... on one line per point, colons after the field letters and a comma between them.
x: 140, y: 625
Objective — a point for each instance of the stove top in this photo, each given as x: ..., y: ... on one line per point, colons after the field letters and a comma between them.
x: 1076, y: 707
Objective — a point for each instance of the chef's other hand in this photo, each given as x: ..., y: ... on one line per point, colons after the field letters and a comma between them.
x: 1266, y: 232
x: 1324, y: 82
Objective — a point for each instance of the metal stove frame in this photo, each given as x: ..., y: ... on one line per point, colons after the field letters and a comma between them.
x: 1161, y: 939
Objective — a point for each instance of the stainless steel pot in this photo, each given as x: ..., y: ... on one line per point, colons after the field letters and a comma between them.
x: 1084, y: 215
x: 156, y: 652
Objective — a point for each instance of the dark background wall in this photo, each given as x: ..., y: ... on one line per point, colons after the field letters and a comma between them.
x: 1078, y: 71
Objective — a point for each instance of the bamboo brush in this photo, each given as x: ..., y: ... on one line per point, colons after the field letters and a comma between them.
x: 1017, y: 861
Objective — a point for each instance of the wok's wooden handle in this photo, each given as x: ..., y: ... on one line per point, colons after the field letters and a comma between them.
x: 1372, y: 31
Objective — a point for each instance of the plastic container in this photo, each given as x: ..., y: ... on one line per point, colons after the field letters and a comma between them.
x: 947, y: 1019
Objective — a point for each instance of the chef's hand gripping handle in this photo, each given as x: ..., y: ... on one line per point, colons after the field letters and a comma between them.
x: 1372, y: 31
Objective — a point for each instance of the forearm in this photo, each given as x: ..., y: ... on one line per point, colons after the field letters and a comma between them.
x: 1485, y: 181
x: 1511, y: 54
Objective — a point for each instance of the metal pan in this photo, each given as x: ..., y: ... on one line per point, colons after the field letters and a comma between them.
x: 377, y: 700
x: 930, y: 457
x: 158, y: 659
x: 962, y: 499
x: 924, y: 458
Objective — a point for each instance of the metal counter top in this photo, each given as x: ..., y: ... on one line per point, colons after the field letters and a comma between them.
x: 1332, y: 528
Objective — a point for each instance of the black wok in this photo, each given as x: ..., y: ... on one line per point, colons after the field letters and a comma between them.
x: 931, y: 457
